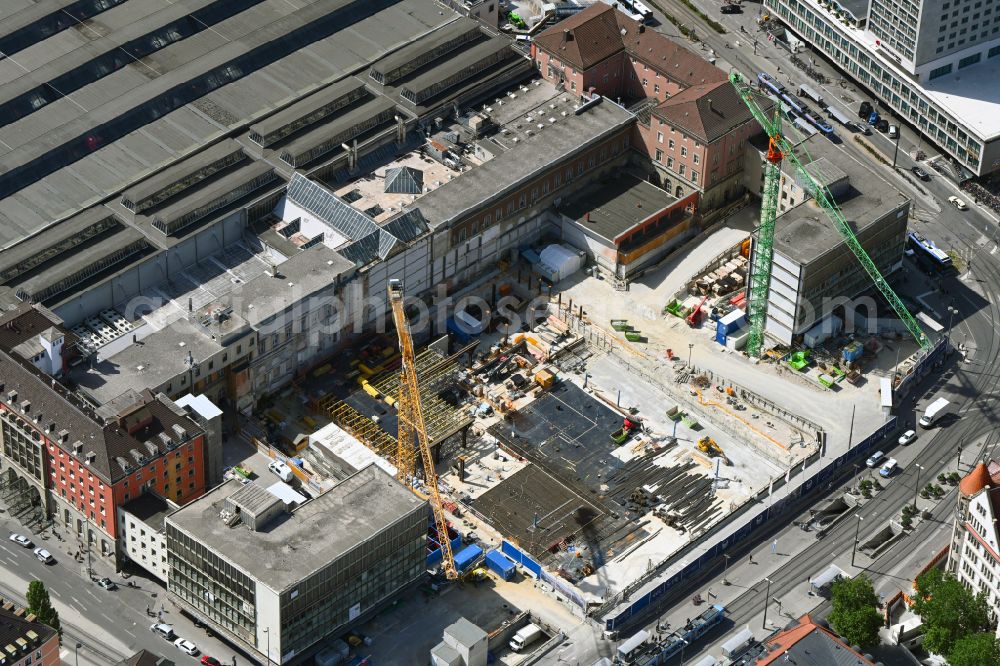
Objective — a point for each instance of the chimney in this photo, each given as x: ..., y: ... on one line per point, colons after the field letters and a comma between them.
x: 26, y: 406
x: 91, y: 456
x: 567, y: 35
x: 77, y: 447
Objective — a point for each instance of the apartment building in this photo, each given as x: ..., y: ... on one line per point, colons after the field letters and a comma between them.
x: 25, y: 641
x: 75, y: 464
x: 974, y: 556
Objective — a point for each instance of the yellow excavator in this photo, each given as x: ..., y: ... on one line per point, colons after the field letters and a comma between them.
x: 708, y: 445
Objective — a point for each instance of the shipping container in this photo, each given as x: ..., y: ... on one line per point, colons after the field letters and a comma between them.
x: 468, y: 555
x: 500, y: 564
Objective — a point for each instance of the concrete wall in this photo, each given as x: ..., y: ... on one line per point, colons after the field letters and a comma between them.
x: 117, y: 291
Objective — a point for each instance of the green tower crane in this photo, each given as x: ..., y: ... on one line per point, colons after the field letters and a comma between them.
x: 759, y: 280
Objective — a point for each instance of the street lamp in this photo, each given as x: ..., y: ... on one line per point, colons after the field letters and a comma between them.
x: 857, y: 535
x: 690, y: 349
x: 895, y: 153
x: 767, y: 596
x: 952, y: 311
x: 267, y: 630
x: 76, y: 652
x: 725, y: 566
x: 916, y: 487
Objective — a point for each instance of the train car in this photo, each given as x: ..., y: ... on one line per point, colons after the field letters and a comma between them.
x: 794, y: 103
x: 770, y: 83
x: 823, y: 126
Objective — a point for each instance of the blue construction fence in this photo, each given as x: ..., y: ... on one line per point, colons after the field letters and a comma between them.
x: 521, y: 558
x: 533, y: 568
x: 623, y: 617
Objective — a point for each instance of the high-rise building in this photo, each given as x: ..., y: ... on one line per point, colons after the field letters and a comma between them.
x: 932, y: 63
x: 921, y: 33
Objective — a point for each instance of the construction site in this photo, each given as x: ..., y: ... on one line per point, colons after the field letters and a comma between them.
x: 598, y: 430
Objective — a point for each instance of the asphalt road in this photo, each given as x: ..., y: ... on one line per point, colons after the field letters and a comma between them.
x: 116, y: 624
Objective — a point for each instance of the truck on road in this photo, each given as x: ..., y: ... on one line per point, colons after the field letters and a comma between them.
x: 936, y: 411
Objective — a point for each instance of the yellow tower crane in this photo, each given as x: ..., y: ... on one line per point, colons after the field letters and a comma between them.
x: 411, y: 423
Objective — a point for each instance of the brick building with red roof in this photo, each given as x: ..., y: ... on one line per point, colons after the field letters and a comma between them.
x: 692, y: 125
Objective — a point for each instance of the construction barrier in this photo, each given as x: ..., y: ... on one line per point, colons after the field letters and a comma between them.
x: 522, y: 558
x: 563, y: 587
x: 636, y: 610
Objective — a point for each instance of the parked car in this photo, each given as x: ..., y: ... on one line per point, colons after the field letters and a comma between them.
x: 164, y: 630
x: 920, y: 173
x: 957, y: 203
x: 186, y: 646
x: 107, y: 584
x: 21, y: 540
x: 875, y: 459
x: 44, y: 556
x: 210, y: 661
x: 731, y: 9
x: 889, y: 468
x: 907, y: 437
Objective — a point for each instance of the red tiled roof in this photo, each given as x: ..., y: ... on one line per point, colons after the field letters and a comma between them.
x: 670, y: 58
x: 586, y: 38
x: 826, y: 647
x: 707, y: 111
x: 599, y: 32
x: 975, y: 481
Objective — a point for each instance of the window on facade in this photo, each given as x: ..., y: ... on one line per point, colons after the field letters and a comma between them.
x: 670, y: 163
x: 670, y: 144
x: 682, y: 170
x: 659, y: 155
x: 684, y: 151
x: 696, y: 158
x: 694, y: 176
x: 656, y: 88
x: 659, y: 137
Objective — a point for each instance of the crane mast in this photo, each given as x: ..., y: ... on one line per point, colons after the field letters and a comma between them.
x: 411, y: 425
x: 758, y: 283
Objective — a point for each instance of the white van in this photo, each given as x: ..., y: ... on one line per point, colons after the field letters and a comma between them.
x: 525, y: 636
x: 280, y: 470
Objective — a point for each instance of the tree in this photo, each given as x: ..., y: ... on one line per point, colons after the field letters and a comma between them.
x: 41, y: 606
x: 982, y: 649
x: 949, y: 610
x: 855, y: 613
